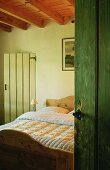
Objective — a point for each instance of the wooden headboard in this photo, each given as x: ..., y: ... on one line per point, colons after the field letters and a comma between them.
x: 66, y: 102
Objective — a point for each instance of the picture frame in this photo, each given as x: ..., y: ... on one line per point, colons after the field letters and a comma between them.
x: 68, y: 54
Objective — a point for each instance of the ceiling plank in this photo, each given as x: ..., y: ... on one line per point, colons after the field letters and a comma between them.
x: 12, y: 21
x: 22, y: 14
x: 71, y: 2
x: 39, y: 5
x: 6, y: 28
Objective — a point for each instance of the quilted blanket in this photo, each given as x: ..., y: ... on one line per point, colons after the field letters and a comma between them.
x: 52, y: 135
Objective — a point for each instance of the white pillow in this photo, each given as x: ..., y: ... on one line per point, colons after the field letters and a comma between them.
x: 53, y: 109
x: 46, y: 110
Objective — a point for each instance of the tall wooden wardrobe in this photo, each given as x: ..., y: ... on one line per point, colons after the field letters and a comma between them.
x: 92, y: 84
x: 19, y: 84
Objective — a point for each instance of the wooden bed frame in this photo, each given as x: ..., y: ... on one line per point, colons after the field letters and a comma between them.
x: 18, y: 151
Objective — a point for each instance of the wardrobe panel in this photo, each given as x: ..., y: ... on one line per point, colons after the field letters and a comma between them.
x: 6, y: 89
x: 13, y: 86
x: 19, y: 84
x: 32, y: 78
x: 26, y: 84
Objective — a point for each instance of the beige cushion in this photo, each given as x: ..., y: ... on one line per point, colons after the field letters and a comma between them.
x: 66, y: 102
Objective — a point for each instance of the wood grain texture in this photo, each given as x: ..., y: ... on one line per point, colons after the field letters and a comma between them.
x: 5, y: 27
x: 21, y: 151
x: 104, y: 85
x: 18, y: 13
x: 85, y: 83
x: 12, y: 21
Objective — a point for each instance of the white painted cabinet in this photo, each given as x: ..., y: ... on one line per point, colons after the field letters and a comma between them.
x: 19, y: 83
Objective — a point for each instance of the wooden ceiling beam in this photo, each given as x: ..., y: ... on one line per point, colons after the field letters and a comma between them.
x: 21, y: 14
x: 12, y: 21
x: 55, y: 16
x: 71, y: 2
x: 6, y: 28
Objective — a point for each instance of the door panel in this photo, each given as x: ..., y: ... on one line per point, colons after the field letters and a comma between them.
x: 104, y: 86
x: 6, y: 89
x: 32, y: 78
x: 19, y: 83
x: 85, y: 83
x: 26, y: 85
x: 13, y: 86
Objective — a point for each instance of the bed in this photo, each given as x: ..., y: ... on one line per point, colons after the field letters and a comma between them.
x: 41, y: 140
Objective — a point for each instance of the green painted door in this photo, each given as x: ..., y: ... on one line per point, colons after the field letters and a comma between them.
x: 92, y: 84
x: 104, y: 86
x: 86, y: 83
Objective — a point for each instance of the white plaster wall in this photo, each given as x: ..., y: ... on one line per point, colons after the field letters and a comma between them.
x: 46, y: 42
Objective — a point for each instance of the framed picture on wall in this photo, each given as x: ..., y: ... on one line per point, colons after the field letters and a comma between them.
x: 68, y: 54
